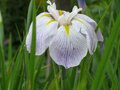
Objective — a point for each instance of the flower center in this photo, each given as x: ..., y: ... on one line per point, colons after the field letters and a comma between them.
x: 63, y: 17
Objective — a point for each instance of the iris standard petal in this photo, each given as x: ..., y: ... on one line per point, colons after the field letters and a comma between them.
x: 87, y: 30
x: 45, y: 30
x: 68, y: 50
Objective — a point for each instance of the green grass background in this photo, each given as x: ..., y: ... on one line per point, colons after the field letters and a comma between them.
x: 22, y: 71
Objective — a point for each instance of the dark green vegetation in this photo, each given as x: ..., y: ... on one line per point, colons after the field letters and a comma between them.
x: 22, y: 71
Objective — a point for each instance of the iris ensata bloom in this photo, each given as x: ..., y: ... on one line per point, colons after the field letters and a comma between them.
x: 67, y: 35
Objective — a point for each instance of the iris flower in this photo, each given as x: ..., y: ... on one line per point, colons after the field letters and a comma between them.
x: 67, y: 35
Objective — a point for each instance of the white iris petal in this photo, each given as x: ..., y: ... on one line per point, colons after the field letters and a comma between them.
x: 93, y: 24
x: 42, y: 19
x: 44, y: 34
x: 68, y: 51
x: 88, y: 20
x: 89, y: 31
x: 68, y: 35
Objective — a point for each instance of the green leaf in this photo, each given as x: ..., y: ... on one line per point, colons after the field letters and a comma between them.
x: 31, y: 63
x: 29, y: 15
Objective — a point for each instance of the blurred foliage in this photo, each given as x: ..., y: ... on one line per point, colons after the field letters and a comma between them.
x: 14, y: 15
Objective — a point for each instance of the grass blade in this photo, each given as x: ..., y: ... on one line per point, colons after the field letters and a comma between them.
x: 33, y: 48
x: 29, y: 15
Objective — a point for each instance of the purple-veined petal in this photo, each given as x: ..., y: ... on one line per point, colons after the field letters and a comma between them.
x: 68, y: 51
x: 87, y: 30
x: 45, y: 30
